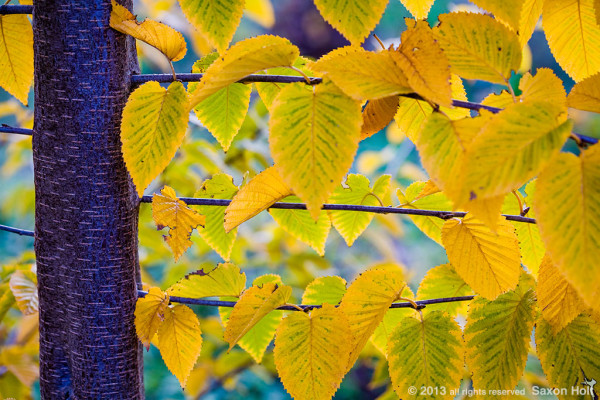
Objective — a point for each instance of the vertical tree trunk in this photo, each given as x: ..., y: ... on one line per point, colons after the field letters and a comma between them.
x: 86, y: 208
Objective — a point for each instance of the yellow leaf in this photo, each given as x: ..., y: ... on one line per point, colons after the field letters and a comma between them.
x: 253, y: 305
x: 505, y: 10
x: 418, y: 8
x: 23, y: 285
x: 150, y: 314
x: 216, y: 20
x: 16, y: 360
x: 377, y: 114
x: 566, y: 206
x: 328, y: 289
x: 268, y: 91
x: 16, y: 55
x: 573, y: 36
x: 311, y: 352
x: 352, y: 18
x: 412, y: 113
x: 489, y: 263
x: 530, y: 15
x: 512, y: 148
x: 423, y: 62
x: 164, y: 38
x: 259, y: 194
x: 428, y: 189
x: 363, y: 75
x: 488, y: 210
x: 367, y: 301
x: 585, y: 95
x: 261, y: 12
x: 226, y: 280
x: 152, y: 129
x: 478, y: 47
x: 314, y: 134
x: 558, y: 300
x: 244, y: 58
x: 180, y: 341
x: 443, y: 281
x: 426, y: 353
x: 300, y: 224
x: 169, y: 211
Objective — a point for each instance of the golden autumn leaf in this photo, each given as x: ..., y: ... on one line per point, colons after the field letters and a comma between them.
x: 164, y: 38
x: 16, y: 55
x: 585, y: 95
x: 152, y: 128
x: 352, y: 18
x: 311, y: 352
x: 244, y: 58
x: 169, y: 211
x: 180, y: 341
x: 424, y: 63
x: 225, y: 280
x: 557, y: 299
x: 566, y: 207
x: 377, y: 114
x: 490, y: 263
x: 418, y: 8
x: 257, y: 195
x: 253, y: 305
x: 530, y: 15
x: 150, y: 314
x: 314, y: 135
x: 261, y: 12
x: 216, y: 20
x: 505, y: 10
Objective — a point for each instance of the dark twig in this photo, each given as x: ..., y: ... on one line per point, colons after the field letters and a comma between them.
x: 346, y: 207
x: 15, y: 9
x: 18, y: 131
x: 21, y: 232
x: 304, y: 307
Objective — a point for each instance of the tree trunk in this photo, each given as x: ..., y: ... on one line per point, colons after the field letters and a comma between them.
x: 86, y: 206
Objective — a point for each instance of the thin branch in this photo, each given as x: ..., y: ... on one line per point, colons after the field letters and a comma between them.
x: 18, y: 131
x: 15, y: 9
x: 345, y: 207
x: 305, y: 307
x: 21, y: 232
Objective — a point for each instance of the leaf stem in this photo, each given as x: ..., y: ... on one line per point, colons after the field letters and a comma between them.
x: 520, y: 203
x: 298, y: 70
x: 379, y: 40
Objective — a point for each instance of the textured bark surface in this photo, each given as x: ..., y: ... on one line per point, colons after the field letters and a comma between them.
x: 86, y: 207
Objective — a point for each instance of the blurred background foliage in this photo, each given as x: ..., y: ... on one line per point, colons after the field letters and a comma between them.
x: 261, y: 246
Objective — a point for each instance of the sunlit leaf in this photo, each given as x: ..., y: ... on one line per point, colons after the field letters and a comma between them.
x: 226, y: 280
x: 16, y: 55
x: 261, y: 12
x: 418, y: 8
x: 530, y: 15
x: 150, y: 314
x: 377, y: 114
x: 506, y: 10
x: 328, y: 289
x: 443, y: 281
x: 585, y: 95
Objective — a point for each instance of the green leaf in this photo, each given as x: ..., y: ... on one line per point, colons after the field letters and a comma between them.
x: 350, y: 224
x: 443, y: 281
x: 152, y: 129
x: 268, y: 91
x: 427, y: 353
x: 302, y: 226
x: 497, y: 337
x: 328, y: 289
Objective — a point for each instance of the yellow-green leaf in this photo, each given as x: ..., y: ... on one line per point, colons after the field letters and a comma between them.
x: 571, y: 357
x: 253, y: 305
x: 531, y: 245
x: 302, y: 226
x: 244, y: 58
x: 180, y: 341
x: 367, y: 301
x: 363, y: 75
x: 220, y: 186
x: 217, y: 20
x: 478, y: 47
x: 268, y: 91
x: 168, y: 210
x: 150, y: 314
x: 261, y: 192
x: 392, y: 318
x: 377, y: 114
x: 223, y: 112
x: 585, y: 95
x: 152, y: 129
x: 23, y: 285
x: 350, y: 224
x: 512, y: 148
x: 226, y: 280
x: 424, y: 63
x: 16, y: 55
x: 427, y: 353
x: 311, y: 352
x: 164, y: 38
x: 328, y: 289
x: 497, y: 337
x: 489, y: 262
x: 558, y: 300
x: 314, y: 134
x: 443, y: 281
x: 418, y: 8
x: 505, y: 10
x: 354, y: 19
x: 573, y: 36
x: 566, y: 206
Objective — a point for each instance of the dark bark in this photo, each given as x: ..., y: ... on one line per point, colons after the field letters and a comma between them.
x: 86, y: 207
